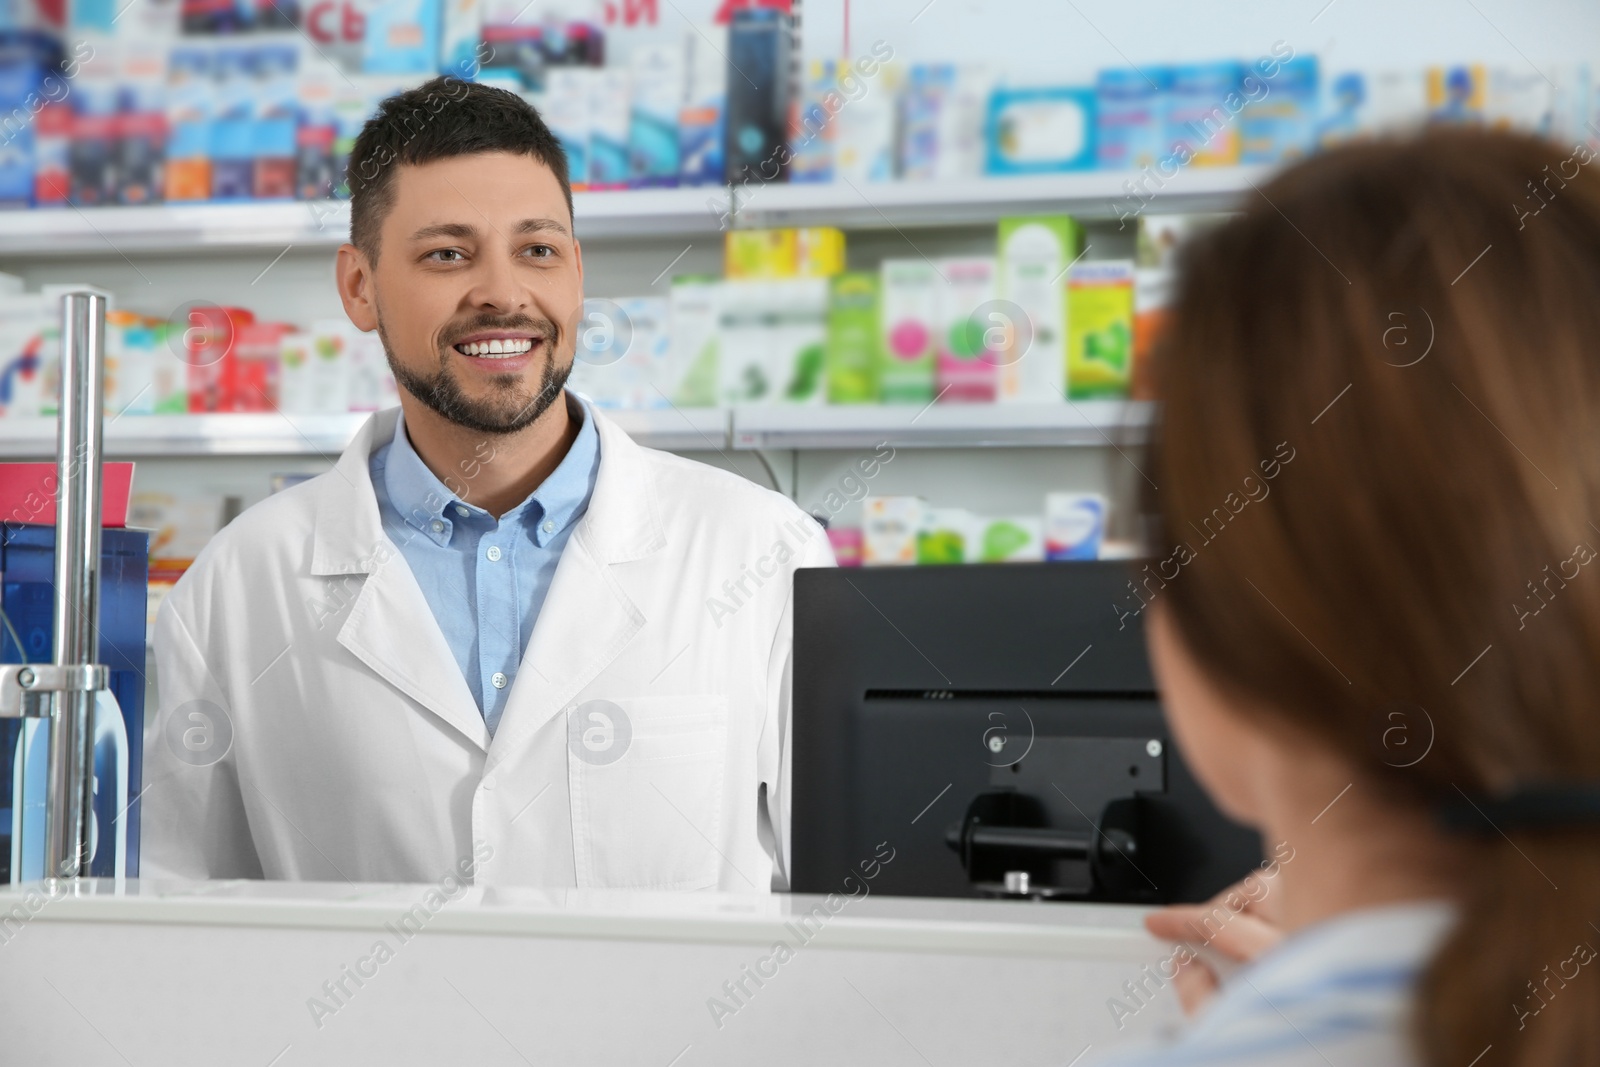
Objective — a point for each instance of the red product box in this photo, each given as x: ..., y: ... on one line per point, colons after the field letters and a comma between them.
x: 52, y: 145
x: 209, y: 345
x: 28, y: 493
x: 254, y: 385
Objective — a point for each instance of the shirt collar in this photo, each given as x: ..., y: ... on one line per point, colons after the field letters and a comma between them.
x: 1329, y: 964
x: 429, y: 506
x: 564, y: 495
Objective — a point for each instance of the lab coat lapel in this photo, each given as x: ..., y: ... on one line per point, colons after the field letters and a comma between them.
x: 587, y: 618
x: 390, y: 626
x: 393, y: 631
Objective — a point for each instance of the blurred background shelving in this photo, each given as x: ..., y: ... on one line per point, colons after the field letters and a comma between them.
x: 275, y: 257
x: 1092, y: 195
x: 280, y: 433
x: 1091, y: 423
x: 184, y: 229
x: 623, y: 216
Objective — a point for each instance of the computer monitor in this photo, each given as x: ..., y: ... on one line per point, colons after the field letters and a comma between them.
x: 998, y: 728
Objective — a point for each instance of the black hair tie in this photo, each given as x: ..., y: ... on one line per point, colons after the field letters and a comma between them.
x: 1528, y: 807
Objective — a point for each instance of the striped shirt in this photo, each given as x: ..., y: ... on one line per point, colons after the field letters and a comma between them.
x: 1335, y: 994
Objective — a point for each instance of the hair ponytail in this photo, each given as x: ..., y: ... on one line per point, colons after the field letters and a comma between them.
x: 1432, y: 353
x: 1517, y: 982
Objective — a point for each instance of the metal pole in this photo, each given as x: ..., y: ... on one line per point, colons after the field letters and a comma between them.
x: 68, y: 805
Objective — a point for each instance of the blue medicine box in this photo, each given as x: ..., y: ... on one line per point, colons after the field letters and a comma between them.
x: 27, y: 592
x: 1040, y: 130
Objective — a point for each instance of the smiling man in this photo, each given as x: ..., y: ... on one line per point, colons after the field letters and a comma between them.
x: 482, y: 644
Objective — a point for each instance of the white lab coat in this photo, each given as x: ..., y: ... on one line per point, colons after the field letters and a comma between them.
x: 357, y: 751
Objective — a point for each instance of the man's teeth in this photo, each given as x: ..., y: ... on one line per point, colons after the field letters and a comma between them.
x: 511, y: 346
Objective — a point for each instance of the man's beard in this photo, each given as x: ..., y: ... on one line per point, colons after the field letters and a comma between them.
x: 512, y: 409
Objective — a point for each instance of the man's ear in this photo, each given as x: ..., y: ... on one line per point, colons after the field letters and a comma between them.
x: 354, y: 276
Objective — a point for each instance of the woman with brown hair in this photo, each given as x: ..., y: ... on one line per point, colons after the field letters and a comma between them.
x: 1387, y: 658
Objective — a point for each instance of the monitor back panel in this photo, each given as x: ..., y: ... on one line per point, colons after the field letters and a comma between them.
x: 918, y: 689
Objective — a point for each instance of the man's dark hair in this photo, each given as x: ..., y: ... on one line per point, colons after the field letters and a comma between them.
x: 440, y: 119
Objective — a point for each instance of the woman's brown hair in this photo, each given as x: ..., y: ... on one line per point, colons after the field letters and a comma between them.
x: 1417, y: 324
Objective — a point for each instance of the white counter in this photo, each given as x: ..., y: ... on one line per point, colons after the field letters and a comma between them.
x: 276, y: 973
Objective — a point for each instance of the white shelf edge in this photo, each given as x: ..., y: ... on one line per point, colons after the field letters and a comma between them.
x: 619, y: 215
x: 1080, y: 423
x: 134, y: 436
x: 284, y: 434
x: 1075, y: 423
x: 674, y: 429
x: 1087, y: 195
x: 180, y: 228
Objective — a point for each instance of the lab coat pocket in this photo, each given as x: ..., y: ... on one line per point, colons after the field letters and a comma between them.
x: 646, y: 780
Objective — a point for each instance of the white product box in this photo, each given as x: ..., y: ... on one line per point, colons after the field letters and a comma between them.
x: 690, y: 374
x: 1519, y: 99
x: 329, y: 376
x: 24, y: 321
x: 1075, y: 524
x: 866, y: 138
x: 889, y: 527
x: 1031, y: 265
x: 295, y: 362
x: 774, y: 340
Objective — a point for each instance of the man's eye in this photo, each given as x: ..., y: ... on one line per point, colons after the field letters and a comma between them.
x: 540, y: 251
x: 444, y: 252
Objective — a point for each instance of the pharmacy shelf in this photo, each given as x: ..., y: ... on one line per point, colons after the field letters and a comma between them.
x: 131, y: 436
x: 1088, y: 422
x: 279, y: 434
x: 1089, y: 195
x: 620, y: 215
x: 178, y: 229
x: 1082, y: 423
x: 676, y: 429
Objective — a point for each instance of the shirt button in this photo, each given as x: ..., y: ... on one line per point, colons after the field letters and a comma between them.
x: 548, y: 527
x: 461, y: 510
x: 438, y: 527
x: 498, y: 680
x: 493, y: 553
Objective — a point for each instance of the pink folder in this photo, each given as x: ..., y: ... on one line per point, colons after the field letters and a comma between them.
x: 28, y: 493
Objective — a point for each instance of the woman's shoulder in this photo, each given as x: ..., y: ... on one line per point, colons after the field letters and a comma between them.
x: 1336, y: 992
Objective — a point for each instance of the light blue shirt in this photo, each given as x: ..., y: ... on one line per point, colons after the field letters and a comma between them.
x: 1335, y: 994
x: 485, y: 578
